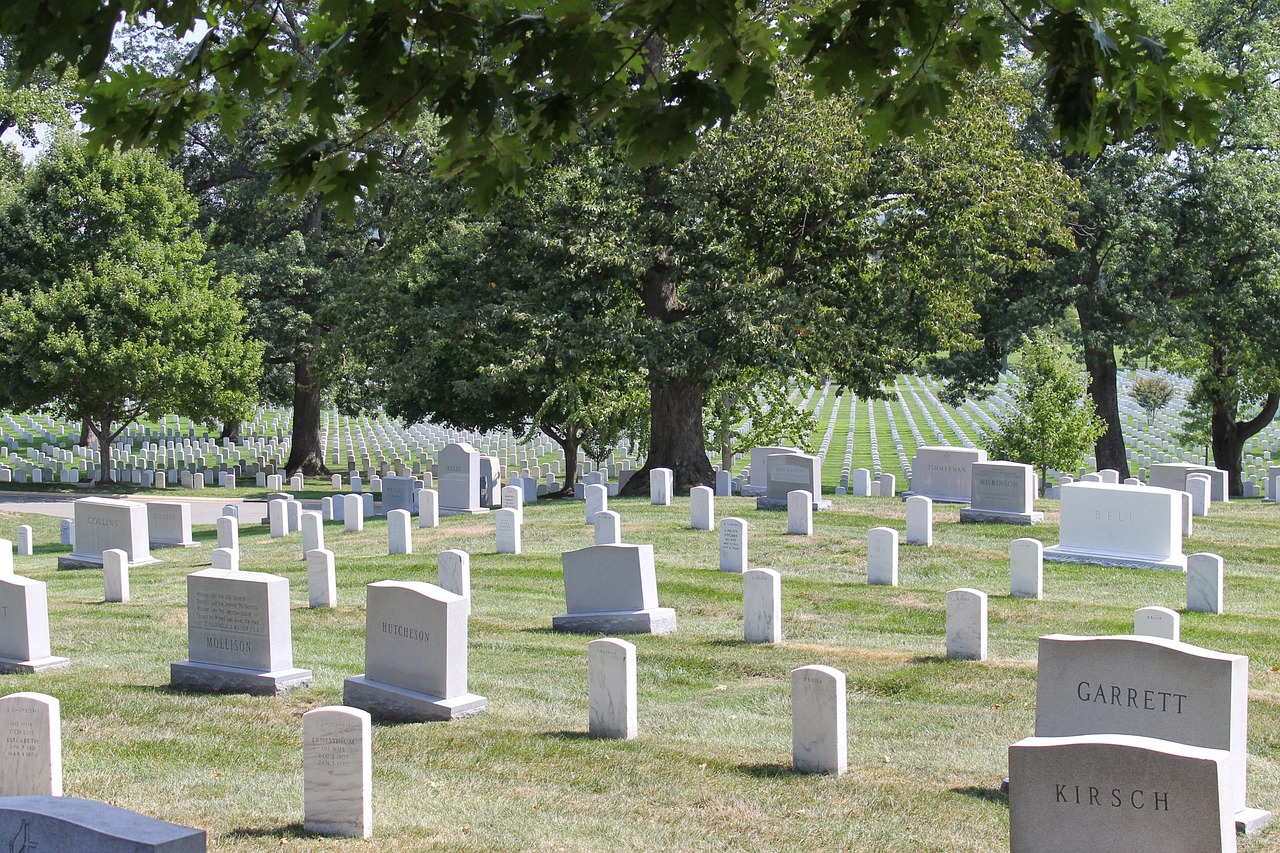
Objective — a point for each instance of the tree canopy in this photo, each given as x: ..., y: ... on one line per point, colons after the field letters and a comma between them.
x: 109, y: 310
x: 511, y: 81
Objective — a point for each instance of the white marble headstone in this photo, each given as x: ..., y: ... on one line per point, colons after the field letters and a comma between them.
x: 1205, y: 583
x: 966, y: 624
x: 1157, y: 622
x: 818, y: 727
x: 919, y: 520
x: 734, y: 552
x: 611, y: 689
x: 800, y: 513
x: 322, y: 581
x: 337, y: 762
x: 882, y: 556
x: 30, y: 745
x: 761, y: 606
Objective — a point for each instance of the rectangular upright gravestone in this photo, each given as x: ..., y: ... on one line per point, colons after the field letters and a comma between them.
x: 40, y: 824
x: 24, y: 627
x: 612, y: 589
x: 459, y: 486
x: 415, y: 655
x: 1150, y: 687
x: 397, y: 493
x: 30, y: 746
x: 1118, y: 792
x: 337, y: 770
x: 944, y: 474
x: 757, y: 485
x: 1002, y: 493
x: 1127, y: 526
x: 790, y: 472
x: 169, y: 524
x: 239, y: 636
x: 104, y: 523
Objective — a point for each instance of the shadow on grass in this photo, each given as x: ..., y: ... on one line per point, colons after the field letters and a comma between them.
x: 47, y: 549
x: 991, y: 795
x: 931, y: 659
x: 767, y: 771
x: 569, y: 734
x: 728, y: 644
x: 291, y: 830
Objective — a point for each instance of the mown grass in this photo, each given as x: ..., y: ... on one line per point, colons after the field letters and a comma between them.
x: 928, y: 737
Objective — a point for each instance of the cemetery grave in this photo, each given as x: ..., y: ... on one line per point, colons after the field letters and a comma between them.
x: 710, y: 758
x: 881, y: 436
x: 714, y: 748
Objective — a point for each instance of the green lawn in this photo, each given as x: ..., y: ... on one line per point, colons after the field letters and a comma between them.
x: 710, y: 769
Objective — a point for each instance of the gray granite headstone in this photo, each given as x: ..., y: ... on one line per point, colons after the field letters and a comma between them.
x: 1118, y: 792
x: 415, y: 655
x: 70, y: 825
x: 24, y: 626
x: 103, y: 523
x: 238, y: 635
x: 612, y: 589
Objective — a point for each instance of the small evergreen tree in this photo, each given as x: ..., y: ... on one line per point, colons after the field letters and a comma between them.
x: 1052, y: 424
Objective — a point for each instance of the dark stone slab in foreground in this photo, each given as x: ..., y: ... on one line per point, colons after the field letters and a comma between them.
x: 67, y: 824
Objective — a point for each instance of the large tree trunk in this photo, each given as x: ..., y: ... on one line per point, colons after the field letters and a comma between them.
x: 306, y: 455
x: 103, y: 433
x: 675, y: 438
x: 1228, y: 435
x: 1100, y: 363
x: 569, y: 440
x: 231, y: 430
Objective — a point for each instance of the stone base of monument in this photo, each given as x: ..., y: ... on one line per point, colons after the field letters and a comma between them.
x: 88, y: 561
x: 88, y: 826
x: 781, y: 504
x: 1059, y: 554
x: 1252, y: 821
x: 749, y: 491
x: 189, y: 544
x: 390, y: 703
x: 993, y: 516
x: 37, y: 665
x: 212, y: 678
x: 659, y: 620
x: 938, y: 499
x: 453, y: 510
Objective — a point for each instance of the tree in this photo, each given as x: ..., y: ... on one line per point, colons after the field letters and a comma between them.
x: 111, y: 312
x: 754, y: 412
x: 507, y: 319
x: 510, y: 82
x: 1051, y: 424
x: 1214, y: 256
x: 1152, y: 393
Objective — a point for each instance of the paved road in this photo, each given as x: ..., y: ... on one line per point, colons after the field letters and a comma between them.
x: 203, y: 510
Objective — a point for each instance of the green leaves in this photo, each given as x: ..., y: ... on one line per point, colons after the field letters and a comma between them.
x: 511, y: 81
x: 109, y: 310
x: 1051, y: 423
